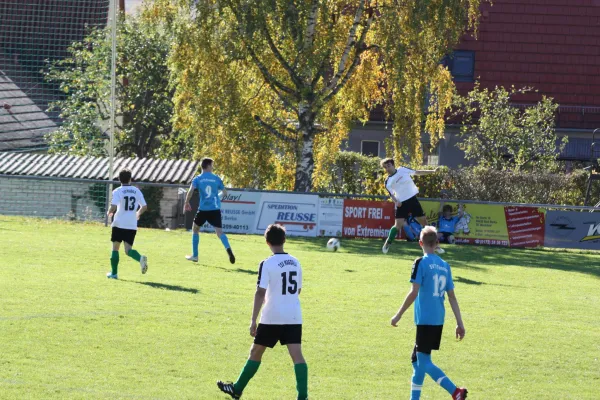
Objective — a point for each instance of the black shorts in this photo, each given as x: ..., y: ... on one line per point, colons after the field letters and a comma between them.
x: 410, y: 206
x: 269, y: 335
x: 429, y: 337
x: 123, y: 235
x: 445, y: 236
x: 212, y: 217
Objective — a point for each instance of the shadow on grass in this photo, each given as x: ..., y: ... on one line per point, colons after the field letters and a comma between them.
x: 466, y: 281
x: 164, y: 286
x: 238, y: 270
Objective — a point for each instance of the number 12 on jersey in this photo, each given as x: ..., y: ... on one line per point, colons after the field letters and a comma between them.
x: 439, y: 282
x: 293, y: 288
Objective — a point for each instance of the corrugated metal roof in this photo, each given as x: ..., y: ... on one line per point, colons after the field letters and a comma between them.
x: 61, y: 166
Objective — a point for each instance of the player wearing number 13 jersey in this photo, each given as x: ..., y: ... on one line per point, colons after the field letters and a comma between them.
x: 129, y: 204
x: 431, y: 280
x: 279, y: 285
x: 208, y: 186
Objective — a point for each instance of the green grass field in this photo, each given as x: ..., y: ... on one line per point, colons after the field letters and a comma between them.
x: 532, y: 319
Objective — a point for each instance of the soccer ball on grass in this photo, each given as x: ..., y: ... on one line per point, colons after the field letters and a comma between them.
x: 333, y: 244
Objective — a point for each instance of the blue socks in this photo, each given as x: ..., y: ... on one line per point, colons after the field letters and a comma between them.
x: 425, y: 365
x: 225, y: 241
x: 195, y: 243
x: 416, y: 382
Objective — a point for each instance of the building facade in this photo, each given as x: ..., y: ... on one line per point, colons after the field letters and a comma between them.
x: 550, y: 45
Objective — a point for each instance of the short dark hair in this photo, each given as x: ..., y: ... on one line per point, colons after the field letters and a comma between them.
x: 387, y: 161
x: 447, y: 207
x: 206, y: 162
x: 275, y: 234
x: 125, y: 175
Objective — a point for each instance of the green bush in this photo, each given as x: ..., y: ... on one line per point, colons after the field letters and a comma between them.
x: 355, y: 173
x: 151, y: 218
x: 505, y: 186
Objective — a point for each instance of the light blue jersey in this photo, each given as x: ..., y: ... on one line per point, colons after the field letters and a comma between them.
x: 435, y: 278
x: 208, y: 186
x: 447, y: 225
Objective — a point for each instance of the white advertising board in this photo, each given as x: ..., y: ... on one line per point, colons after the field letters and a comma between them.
x: 331, y: 217
x: 297, y: 212
x: 238, y: 211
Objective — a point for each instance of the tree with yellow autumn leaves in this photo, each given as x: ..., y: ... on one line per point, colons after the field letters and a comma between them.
x: 270, y: 88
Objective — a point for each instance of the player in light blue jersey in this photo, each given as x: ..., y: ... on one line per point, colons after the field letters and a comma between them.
x: 431, y: 279
x: 447, y: 222
x: 208, y: 186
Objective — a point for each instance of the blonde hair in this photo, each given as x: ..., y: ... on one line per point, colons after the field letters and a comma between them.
x: 429, y: 236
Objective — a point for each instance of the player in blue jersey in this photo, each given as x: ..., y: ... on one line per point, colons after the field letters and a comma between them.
x: 208, y: 186
x: 412, y: 228
x: 447, y: 222
x: 431, y: 279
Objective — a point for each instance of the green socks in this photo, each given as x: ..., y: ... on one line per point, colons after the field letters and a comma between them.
x: 247, y: 373
x: 114, y: 262
x: 135, y: 255
x: 301, y: 371
x: 393, y: 234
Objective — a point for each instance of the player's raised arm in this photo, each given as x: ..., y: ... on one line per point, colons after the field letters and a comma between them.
x: 420, y: 172
x: 441, y: 210
x: 460, y: 326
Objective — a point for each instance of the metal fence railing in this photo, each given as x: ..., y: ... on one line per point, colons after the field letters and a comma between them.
x: 86, y: 199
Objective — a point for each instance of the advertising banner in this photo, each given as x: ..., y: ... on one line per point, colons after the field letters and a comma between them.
x: 367, y: 219
x: 331, y: 217
x: 480, y: 223
x: 573, y: 230
x: 525, y: 226
x: 297, y: 212
x: 238, y: 211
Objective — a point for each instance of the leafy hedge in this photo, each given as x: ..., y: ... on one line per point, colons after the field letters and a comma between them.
x: 358, y: 174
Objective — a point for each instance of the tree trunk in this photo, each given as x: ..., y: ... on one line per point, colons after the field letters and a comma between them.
x: 305, y: 164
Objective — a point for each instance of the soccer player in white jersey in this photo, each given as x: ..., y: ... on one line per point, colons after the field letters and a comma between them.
x: 129, y: 204
x: 403, y: 192
x: 279, y: 285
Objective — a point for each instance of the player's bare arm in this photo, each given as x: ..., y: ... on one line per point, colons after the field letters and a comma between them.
x: 259, y: 298
x: 142, y: 210
x: 460, y: 327
x: 188, y: 197
x: 408, y: 301
x: 426, y: 171
x: 111, y: 210
x: 440, y: 211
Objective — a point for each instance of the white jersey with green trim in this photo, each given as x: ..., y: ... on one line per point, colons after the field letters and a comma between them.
x: 401, y: 185
x: 128, y: 199
x: 281, y: 275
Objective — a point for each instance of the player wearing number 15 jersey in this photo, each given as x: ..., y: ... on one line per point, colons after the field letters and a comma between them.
x: 431, y: 279
x: 208, y: 186
x: 129, y: 204
x: 279, y: 285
